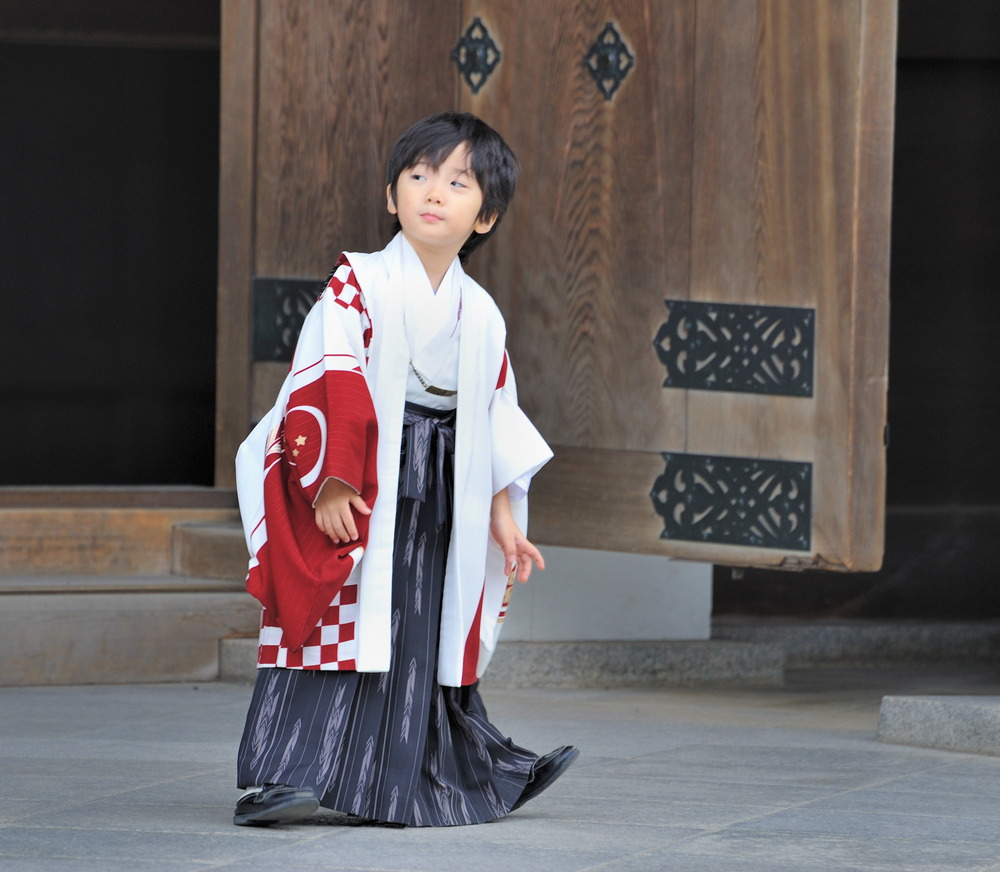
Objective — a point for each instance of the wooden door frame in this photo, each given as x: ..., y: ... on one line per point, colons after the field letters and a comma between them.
x: 237, y: 181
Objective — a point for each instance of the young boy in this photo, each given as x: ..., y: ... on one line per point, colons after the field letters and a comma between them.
x: 383, y: 500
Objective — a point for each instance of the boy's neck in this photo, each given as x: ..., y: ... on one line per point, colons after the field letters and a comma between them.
x: 436, y: 261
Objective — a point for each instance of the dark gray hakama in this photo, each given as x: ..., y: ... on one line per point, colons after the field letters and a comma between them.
x: 394, y: 747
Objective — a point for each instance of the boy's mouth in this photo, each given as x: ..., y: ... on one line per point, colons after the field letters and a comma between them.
x: 431, y: 217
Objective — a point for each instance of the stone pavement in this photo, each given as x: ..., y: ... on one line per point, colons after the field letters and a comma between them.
x: 140, y: 777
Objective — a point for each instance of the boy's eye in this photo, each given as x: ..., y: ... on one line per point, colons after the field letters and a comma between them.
x: 418, y: 177
x: 458, y: 184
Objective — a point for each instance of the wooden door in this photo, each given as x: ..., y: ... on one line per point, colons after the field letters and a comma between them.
x: 694, y: 270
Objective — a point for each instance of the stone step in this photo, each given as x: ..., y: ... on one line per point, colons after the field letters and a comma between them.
x: 100, y: 629
x: 866, y: 643
x: 589, y: 664
x: 95, y: 539
x: 949, y: 723
x: 87, y: 592
x: 216, y: 550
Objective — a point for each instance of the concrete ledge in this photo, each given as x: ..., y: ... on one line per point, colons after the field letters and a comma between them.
x: 656, y: 599
x: 634, y: 664
x: 590, y: 664
x: 866, y: 643
x: 948, y: 723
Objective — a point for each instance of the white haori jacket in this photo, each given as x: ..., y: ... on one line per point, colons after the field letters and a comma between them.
x: 348, y: 382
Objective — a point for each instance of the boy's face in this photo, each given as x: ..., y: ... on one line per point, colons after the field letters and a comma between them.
x: 438, y: 209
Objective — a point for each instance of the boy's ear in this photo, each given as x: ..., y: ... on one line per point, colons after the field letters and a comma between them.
x: 388, y: 200
x: 484, y: 225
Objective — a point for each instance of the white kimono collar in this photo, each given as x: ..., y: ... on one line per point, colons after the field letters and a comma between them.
x: 431, y: 320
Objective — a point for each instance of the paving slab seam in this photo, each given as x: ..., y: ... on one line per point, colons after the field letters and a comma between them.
x: 146, y: 785
x: 251, y: 855
x: 281, y: 850
x: 625, y: 858
x: 24, y: 821
x: 694, y: 837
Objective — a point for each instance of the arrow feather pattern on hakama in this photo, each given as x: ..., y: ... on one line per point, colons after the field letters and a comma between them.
x: 494, y: 801
x: 393, y: 802
x: 411, y: 534
x: 364, y: 776
x: 418, y: 589
x: 260, y: 742
x: 383, y: 681
x: 286, y: 758
x: 330, y: 742
x: 411, y: 683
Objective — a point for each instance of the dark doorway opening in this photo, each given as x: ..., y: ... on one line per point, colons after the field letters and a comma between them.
x: 108, y: 240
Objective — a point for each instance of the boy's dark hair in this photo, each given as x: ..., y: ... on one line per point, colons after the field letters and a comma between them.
x: 493, y: 164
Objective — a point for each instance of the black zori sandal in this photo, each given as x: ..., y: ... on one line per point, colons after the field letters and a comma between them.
x: 546, y: 770
x: 274, y: 804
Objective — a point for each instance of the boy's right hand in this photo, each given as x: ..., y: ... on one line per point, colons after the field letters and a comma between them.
x: 335, y: 507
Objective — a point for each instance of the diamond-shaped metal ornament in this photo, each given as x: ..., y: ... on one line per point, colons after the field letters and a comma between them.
x: 609, y: 60
x: 476, y: 55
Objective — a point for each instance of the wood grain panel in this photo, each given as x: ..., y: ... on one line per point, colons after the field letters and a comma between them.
x: 598, y: 234
x: 771, y: 211
x: 267, y: 380
x: 778, y: 120
x: 338, y: 83
x: 776, y: 99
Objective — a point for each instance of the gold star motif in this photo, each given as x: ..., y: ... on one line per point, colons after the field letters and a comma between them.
x: 295, y: 452
x: 300, y: 440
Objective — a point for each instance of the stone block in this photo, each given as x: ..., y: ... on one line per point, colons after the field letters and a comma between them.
x: 209, y: 551
x: 950, y: 723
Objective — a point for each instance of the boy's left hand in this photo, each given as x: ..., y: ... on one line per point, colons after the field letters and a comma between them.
x: 518, y: 551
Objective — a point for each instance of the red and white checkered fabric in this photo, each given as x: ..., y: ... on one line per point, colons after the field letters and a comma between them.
x: 347, y: 293
x: 332, y: 645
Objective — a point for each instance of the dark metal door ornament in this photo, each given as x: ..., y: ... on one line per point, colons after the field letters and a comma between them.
x: 734, y: 347
x: 609, y: 60
x: 280, y: 305
x: 476, y: 55
x: 735, y: 501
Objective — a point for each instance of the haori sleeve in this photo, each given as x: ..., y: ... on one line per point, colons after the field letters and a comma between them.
x: 330, y: 429
x: 326, y: 429
x: 518, y: 449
